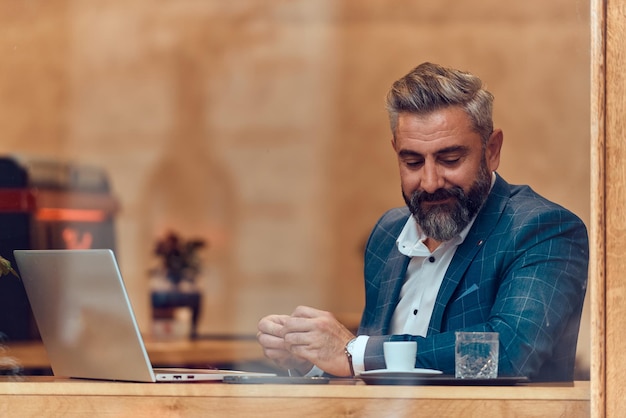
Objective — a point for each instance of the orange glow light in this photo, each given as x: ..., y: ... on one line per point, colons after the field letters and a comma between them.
x: 73, y: 215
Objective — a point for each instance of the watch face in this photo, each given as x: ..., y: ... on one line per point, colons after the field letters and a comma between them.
x: 350, y: 345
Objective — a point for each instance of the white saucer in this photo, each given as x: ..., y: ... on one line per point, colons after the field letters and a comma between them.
x: 407, y: 373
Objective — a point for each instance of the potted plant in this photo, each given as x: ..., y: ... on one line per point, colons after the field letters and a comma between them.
x: 179, y: 263
x: 180, y: 260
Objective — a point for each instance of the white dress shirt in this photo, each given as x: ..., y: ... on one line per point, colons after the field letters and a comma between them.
x: 423, y: 279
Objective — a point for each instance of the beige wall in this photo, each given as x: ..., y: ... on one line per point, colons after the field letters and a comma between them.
x: 260, y: 125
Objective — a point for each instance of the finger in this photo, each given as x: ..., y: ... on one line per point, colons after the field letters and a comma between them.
x: 320, y: 322
x: 293, y: 339
x: 272, y: 324
x: 307, y: 312
x: 271, y: 341
x: 298, y: 325
x: 274, y: 319
x: 274, y: 348
x: 279, y: 319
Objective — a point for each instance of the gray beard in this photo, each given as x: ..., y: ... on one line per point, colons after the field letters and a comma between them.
x: 444, y: 222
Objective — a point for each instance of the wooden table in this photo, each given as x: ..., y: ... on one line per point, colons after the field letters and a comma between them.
x: 196, y: 353
x: 47, y: 397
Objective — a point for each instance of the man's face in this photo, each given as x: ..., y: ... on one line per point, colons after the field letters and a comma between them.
x: 444, y: 170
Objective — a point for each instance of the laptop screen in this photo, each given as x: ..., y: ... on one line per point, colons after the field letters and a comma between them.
x: 84, y: 315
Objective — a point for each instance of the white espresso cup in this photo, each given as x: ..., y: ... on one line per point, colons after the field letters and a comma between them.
x: 400, y: 355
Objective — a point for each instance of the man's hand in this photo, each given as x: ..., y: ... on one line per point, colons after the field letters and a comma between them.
x: 318, y: 337
x: 270, y: 336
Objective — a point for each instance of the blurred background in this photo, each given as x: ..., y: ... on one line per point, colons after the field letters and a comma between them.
x: 259, y: 127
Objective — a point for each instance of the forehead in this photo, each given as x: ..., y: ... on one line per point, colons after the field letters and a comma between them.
x: 439, y: 129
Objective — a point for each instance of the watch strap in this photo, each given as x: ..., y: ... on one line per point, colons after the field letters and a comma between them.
x: 349, y: 355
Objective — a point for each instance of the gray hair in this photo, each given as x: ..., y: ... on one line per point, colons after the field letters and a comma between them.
x: 430, y: 87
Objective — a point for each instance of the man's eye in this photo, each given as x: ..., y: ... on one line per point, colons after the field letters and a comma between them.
x: 451, y: 161
x: 413, y: 164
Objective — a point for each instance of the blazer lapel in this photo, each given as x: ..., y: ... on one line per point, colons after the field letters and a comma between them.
x: 466, y: 252
x: 392, y: 278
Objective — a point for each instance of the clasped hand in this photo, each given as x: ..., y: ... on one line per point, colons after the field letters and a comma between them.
x: 305, y: 338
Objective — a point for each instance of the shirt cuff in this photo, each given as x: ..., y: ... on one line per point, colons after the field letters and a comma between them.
x: 358, y: 354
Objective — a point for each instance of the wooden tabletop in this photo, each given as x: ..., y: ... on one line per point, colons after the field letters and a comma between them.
x: 50, y: 397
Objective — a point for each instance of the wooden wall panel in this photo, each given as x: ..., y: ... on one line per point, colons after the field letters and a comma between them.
x: 609, y: 217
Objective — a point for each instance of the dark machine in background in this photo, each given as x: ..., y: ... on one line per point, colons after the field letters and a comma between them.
x: 46, y: 204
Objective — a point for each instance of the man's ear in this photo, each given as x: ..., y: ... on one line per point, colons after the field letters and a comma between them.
x: 492, y: 152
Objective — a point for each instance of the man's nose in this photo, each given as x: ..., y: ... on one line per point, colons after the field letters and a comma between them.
x: 432, y: 178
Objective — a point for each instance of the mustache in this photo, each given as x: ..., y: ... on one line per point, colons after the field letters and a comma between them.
x: 437, y: 195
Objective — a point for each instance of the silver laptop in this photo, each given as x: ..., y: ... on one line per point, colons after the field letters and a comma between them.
x: 86, y: 321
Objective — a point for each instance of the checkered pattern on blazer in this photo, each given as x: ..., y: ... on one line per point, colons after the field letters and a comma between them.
x: 521, y: 271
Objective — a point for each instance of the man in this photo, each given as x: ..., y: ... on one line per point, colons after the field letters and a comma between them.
x: 469, y: 252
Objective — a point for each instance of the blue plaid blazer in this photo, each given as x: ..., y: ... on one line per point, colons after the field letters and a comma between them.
x: 521, y: 271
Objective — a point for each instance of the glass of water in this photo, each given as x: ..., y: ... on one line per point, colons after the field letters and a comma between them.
x: 476, y: 355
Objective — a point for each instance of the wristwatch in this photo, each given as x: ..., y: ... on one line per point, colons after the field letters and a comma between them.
x: 348, y: 350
